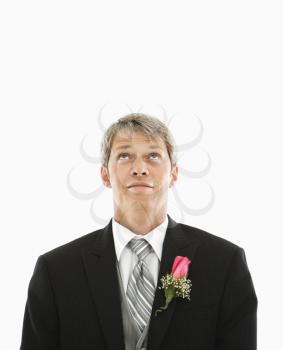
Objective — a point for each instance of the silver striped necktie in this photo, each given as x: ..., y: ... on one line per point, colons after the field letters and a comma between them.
x: 140, y: 289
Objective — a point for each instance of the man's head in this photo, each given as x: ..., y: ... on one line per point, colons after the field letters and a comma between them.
x: 138, y: 149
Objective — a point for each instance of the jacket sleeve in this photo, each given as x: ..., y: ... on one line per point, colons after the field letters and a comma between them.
x: 40, y: 324
x: 237, y: 322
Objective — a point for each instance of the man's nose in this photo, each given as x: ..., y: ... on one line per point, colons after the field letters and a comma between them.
x: 139, y: 168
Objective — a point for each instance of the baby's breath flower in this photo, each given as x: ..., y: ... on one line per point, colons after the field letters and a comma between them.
x: 174, y: 287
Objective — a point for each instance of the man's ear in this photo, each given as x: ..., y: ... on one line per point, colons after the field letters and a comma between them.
x: 174, y: 175
x: 105, y: 176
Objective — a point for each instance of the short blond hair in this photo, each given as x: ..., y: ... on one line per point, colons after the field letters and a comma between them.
x: 138, y: 123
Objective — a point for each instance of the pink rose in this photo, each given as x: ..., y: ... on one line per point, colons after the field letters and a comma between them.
x: 180, y: 267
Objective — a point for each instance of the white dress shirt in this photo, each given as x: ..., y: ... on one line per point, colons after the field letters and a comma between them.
x: 127, y: 259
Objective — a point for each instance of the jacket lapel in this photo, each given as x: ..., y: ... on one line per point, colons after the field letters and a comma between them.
x: 174, y: 244
x: 100, y: 264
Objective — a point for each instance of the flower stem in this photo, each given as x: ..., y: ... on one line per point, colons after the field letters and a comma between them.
x: 169, y: 293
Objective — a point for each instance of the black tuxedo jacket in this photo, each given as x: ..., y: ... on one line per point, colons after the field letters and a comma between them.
x: 73, y: 296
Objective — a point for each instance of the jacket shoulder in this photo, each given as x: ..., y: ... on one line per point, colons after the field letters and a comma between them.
x: 211, y: 241
x: 217, y: 251
x: 73, y: 248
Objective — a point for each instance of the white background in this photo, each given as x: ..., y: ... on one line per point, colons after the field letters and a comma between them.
x: 62, y: 61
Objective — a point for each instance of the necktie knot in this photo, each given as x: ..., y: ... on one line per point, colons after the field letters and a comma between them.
x: 140, y: 247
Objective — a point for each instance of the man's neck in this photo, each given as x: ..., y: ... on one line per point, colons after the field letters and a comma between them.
x: 140, y: 225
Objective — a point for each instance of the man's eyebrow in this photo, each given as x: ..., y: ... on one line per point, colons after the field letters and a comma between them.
x: 129, y: 146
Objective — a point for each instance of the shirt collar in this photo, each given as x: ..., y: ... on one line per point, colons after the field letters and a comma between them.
x: 122, y: 235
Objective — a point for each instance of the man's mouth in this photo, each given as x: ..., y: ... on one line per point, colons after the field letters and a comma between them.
x: 139, y: 188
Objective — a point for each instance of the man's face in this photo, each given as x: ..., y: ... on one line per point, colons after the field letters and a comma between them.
x: 137, y: 158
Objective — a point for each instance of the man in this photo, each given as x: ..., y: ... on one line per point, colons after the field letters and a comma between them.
x: 101, y: 291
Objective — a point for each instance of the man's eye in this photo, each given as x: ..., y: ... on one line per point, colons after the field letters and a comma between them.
x: 156, y: 154
x: 122, y: 154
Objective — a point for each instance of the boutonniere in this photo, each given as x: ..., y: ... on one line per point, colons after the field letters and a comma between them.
x: 176, y: 284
